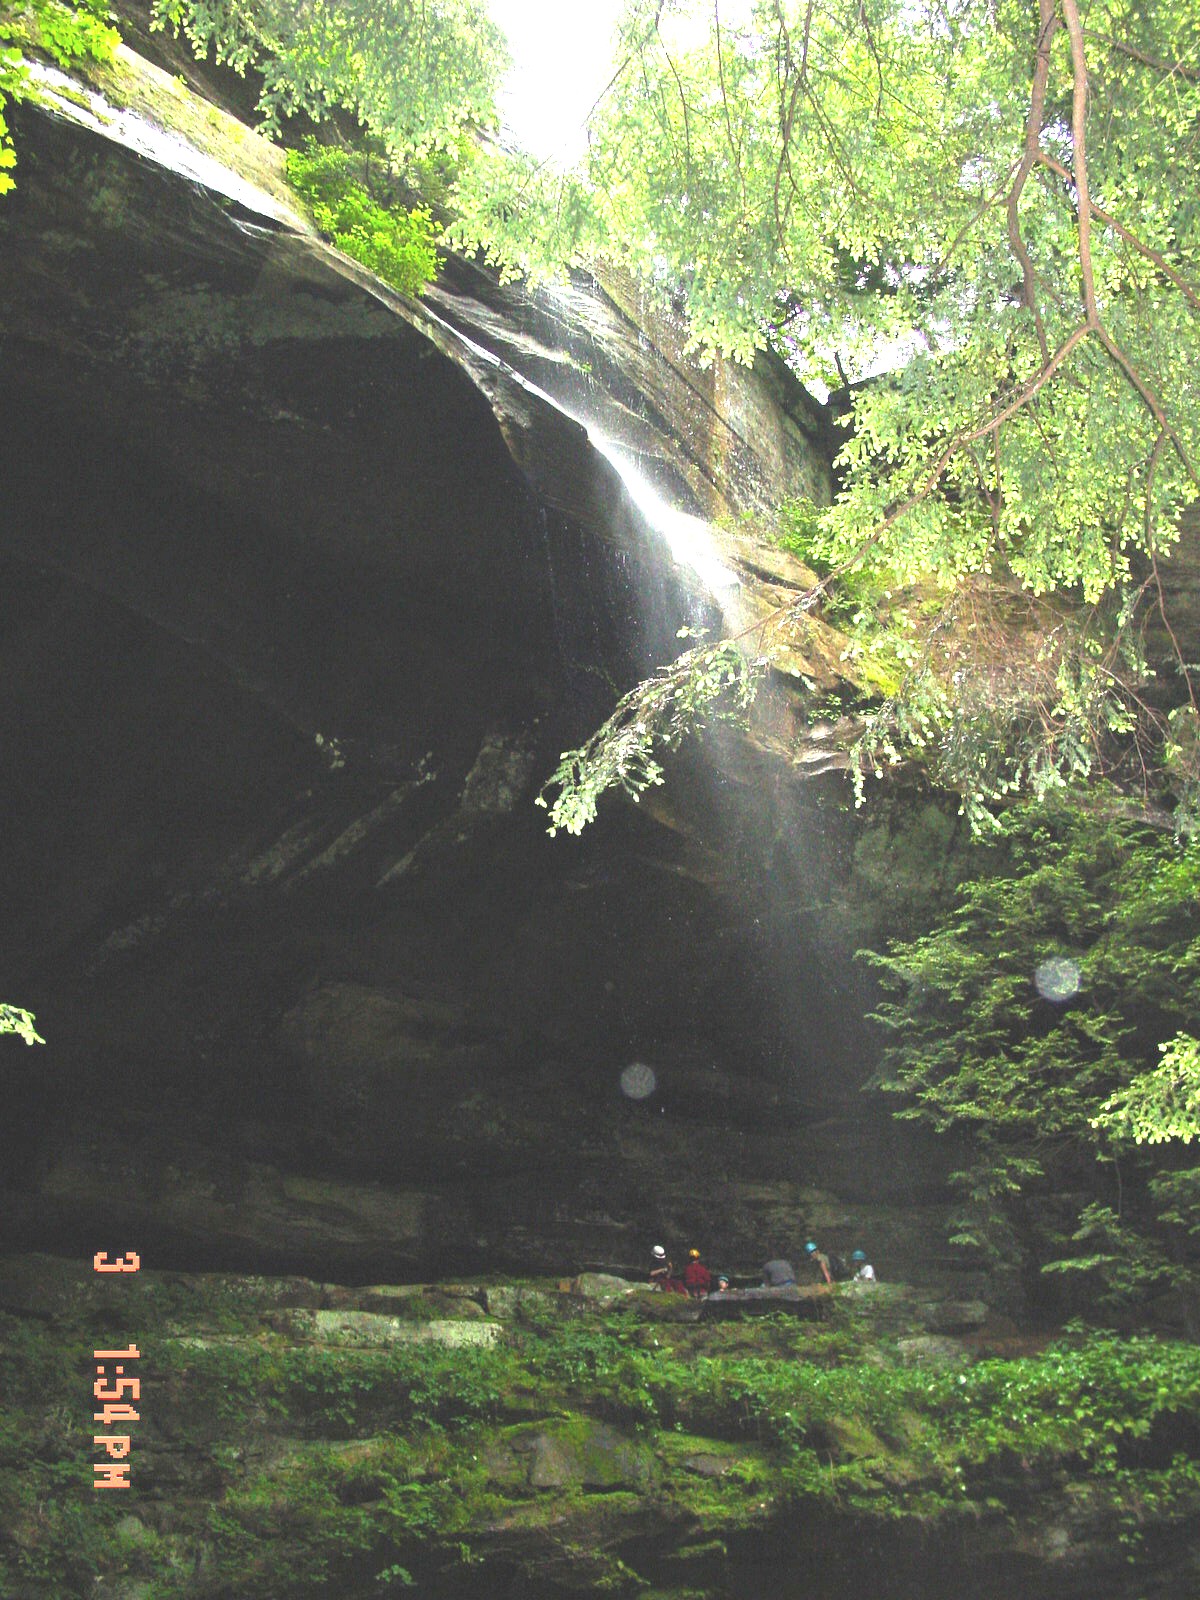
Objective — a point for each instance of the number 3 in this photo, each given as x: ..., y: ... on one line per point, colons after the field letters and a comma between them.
x: 129, y: 1262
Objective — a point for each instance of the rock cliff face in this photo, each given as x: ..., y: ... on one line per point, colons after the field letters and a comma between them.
x: 308, y: 588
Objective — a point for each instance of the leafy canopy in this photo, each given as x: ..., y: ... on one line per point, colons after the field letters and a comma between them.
x: 417, y: 76
x: 996, y: 200
x: 835, y: 177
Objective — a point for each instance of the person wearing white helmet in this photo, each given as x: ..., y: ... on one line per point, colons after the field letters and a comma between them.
x: 660, y: 1268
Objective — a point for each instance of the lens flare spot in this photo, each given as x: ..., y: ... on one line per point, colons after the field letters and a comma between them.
x: 1057, y: 978
x: 638, y: 1080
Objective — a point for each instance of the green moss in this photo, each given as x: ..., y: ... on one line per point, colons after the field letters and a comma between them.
x: 313, y: 1467
x: 128, y: 82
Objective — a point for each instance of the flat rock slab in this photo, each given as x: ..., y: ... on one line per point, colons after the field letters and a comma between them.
x: 807, y: 1301
x: 356, y: 1328
x: 55, y: 1287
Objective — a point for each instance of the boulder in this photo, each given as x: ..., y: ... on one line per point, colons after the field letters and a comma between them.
x: 931, y: 1350
x: 953, y: 1316
x: 603, y: 1286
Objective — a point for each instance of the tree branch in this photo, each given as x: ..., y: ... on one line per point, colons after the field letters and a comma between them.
x: 1049, y: 26
x: 687, y: 127
x: 1150, y: 546
x: 1173, y: 69
x: 1079, y: 89
x: 1130, y: 238
x: 734, y: 149
x: 1152, y: 401
x: 866, y: 22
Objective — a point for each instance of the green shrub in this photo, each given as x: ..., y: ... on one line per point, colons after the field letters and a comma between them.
x: 397, y: 244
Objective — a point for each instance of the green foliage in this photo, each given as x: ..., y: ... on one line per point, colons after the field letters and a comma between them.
x: 1050, y: 1083
x: 1161, y: 1104
x: 14, y: 1020
x: 1000, y: 694
x: 1129, y: 1265
x: 395, y: 1574
x: 332, y: 1504
x: 883, y: 619
x: 62, y: 1535
x: 418, y: 77
x: 341, y: 1390
x: 845, y: 179
x: 397, y: 244
x: 709, y: 682
x: 860, y: 595
x: 66, y: 33
x: 1178, y: 1195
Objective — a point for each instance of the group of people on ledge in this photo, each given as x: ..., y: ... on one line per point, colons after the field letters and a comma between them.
x: 698, y: 1280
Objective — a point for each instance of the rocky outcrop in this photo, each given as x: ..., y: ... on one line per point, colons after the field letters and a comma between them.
x: 313, y: 587
x: 722, y: 439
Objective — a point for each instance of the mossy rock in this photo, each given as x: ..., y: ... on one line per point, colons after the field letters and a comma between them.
x: 571, y: 1453
x: 508, y: 1300
x: 420, y: 1302
x: 603, y: 1286
x: 932, y: 1350
x: 846, y: 1438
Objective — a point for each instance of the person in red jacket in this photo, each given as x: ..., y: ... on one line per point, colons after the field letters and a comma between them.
x: 696, y: 1276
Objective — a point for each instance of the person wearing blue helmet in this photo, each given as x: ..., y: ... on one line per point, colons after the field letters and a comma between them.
x: 818, y: 1261
x: 862, y: 1269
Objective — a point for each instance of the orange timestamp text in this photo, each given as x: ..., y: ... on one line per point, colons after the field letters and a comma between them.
x: 115, y: 1390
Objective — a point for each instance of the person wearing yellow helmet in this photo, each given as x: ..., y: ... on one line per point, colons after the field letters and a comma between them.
x: 696, y: 1276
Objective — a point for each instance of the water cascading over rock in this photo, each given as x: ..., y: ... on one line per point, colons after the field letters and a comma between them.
x: 312, y: 588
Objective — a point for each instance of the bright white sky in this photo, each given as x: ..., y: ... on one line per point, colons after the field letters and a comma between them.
x: 563, y: 55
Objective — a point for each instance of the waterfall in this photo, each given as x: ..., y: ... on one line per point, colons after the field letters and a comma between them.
x: 689, y: 538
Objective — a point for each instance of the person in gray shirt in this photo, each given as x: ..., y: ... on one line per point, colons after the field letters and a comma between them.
x: 779, y: 1274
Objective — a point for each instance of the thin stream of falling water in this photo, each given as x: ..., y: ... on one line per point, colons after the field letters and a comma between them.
x: 688, y: 538
x: 713, y: 589
x: 556, y: 608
